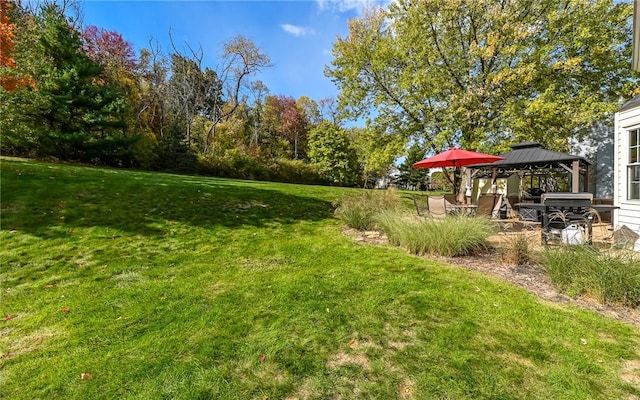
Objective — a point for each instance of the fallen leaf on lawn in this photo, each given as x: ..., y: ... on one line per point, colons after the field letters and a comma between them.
x: 13, y: 231
x: 8, y: 317
x: 352, y: 342
x: 70, y: 232
x: 85, y: 375
x: 263, y: 357
x: 48, y: 286
x: 64, y: 309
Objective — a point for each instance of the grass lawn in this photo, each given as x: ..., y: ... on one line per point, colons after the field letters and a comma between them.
x: 169, y: 286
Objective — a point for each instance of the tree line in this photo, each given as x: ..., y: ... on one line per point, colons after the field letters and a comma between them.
x: 77, y: 93
x: 423, y: 75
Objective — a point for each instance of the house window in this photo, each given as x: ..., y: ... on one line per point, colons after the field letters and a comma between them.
x: 634, y: 182
x: 633, y: 170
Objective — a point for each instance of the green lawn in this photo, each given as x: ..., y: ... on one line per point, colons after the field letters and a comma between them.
x: 182, y: 287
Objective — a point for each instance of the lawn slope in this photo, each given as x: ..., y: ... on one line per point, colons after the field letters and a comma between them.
x: 168, y: 286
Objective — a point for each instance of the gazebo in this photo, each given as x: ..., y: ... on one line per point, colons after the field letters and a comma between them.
x: 532, y: 159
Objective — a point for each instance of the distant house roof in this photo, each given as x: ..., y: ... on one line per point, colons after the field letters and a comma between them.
x: 633, y: 103
x: 531, y: 155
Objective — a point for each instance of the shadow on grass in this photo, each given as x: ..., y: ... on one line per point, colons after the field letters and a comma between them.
x: 37, y: 197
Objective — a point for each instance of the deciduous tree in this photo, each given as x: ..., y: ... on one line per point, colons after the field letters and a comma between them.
x: 10, y: 79
x: 377, y: 151
x: 152, y: 75
x: 481, y: 74
x: 331, y: 151
x: 413, y: 177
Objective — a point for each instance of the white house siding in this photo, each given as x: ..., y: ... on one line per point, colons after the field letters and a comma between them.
x: 629, y: 212
x: 596, y: 146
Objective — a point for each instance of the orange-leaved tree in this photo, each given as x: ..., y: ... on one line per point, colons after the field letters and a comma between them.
x: 10, y: 80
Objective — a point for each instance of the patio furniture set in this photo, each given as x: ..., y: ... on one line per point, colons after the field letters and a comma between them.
x: 563, y: 217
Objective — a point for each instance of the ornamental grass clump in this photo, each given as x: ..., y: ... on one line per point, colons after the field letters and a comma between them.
x: 517, y: 250
x: 359, y: 212
x: 607, y: 277
x: 451, y: 236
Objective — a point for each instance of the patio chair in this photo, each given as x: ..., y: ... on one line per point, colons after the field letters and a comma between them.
x: 420, y: 203
x: 438, y: 206
x: 486, y: 204
x: 528, y: 214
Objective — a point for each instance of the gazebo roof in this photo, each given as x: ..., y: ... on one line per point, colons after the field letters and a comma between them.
x: 530, y: 155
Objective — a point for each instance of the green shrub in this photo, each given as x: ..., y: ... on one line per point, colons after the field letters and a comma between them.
x: 238, y: 165
x: 296, y: 171
x: 451, y: 236
x: 233, y: 164
x: 145, y: 150
x: 581, y: 270
x: 359, y: 212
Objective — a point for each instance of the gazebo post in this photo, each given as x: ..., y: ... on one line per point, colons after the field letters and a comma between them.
x: 467, y: 186
x: 585, y: 181
x: 575, y: 176
x: 494, y: 177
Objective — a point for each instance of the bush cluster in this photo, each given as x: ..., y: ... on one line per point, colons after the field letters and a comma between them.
x: 243, y: 166
x: 581, y: 270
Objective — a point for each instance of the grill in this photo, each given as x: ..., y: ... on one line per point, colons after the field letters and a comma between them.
x: 566, y: 214
x: 567, y: 201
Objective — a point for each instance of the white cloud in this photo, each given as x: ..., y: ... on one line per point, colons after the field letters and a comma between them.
x: 297, y: 30
x: 348, y: 5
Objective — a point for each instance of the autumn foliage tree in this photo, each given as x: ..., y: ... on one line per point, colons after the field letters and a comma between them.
x: 10, y: 79
x: 83, y: 94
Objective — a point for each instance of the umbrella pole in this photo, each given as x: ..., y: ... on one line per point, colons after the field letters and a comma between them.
x: 455, y: 185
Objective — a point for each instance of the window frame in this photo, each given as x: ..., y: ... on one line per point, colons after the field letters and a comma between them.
x: 633, y: 166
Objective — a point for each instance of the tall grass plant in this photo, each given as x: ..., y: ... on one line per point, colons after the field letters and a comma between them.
x: 360, y: 211
x: 451, y: 236
x: 516, y: 250
x: 582, y: 270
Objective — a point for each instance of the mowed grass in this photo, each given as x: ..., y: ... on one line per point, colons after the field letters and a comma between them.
x: 181, y: 287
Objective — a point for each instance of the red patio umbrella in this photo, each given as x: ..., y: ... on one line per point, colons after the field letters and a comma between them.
x: 456, y: 158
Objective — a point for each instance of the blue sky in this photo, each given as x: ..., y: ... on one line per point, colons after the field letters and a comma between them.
x: 296, y: 35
